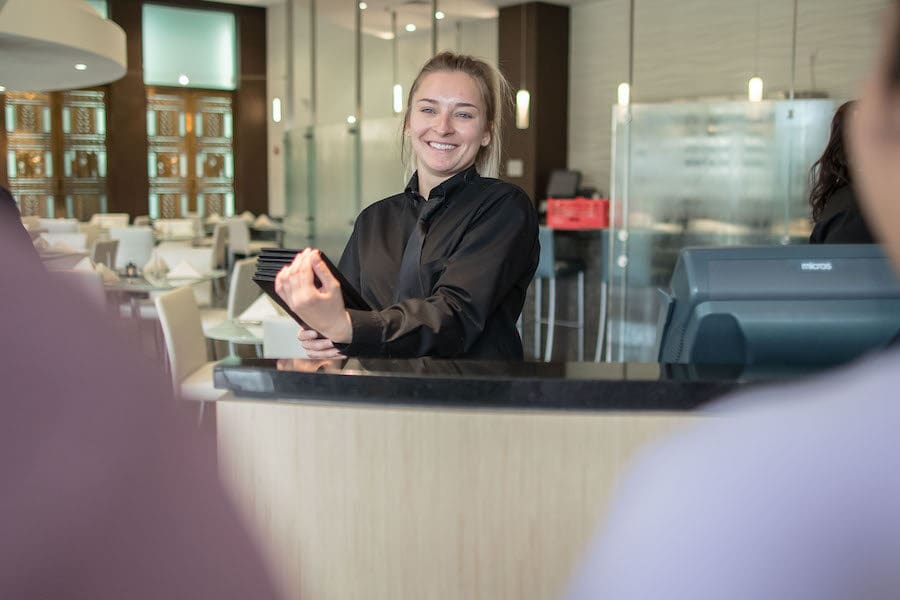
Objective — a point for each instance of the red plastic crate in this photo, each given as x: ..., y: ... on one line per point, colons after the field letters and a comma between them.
x: 578, y: 213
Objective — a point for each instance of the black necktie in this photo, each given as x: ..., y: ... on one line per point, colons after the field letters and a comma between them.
x: 409, y: 285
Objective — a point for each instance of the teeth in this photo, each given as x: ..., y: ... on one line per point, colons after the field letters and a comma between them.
x: 441, y: 146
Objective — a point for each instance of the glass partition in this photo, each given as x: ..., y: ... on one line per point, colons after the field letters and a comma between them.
x: 337, y: 161
x: 701, y: 174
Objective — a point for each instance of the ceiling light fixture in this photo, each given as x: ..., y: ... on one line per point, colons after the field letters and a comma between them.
x: 363, y: 6
x: 183, y: 79
x: 80, y: 67
x: 410, y: 27
x: 439, y: 15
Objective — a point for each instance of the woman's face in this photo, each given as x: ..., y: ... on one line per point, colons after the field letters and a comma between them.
x: 447, y: 125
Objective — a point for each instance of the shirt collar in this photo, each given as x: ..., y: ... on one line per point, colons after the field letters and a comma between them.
x: 446, y: 188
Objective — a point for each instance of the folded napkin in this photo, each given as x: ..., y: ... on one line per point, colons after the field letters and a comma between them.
x: 106, y: 273
x: 214, y: 218
x: 263, y: 221
x: 156, y: 266
x: 247, y: 216
x: 86, y: 265
x: 262, y: 308
x: 183, y: 270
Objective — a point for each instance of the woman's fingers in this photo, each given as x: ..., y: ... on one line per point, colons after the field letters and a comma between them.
x: 329, y: 282
x: 320, y: 354
x: 317, y: 344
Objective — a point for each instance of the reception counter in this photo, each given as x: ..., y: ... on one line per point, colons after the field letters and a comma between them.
x: 421, y: 479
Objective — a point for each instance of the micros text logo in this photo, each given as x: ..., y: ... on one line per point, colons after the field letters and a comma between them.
x: 816, y: 266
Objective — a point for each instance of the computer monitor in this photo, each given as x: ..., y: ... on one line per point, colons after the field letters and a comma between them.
x: 778, y: 305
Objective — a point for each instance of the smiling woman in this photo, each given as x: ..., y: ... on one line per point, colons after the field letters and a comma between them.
x: 447, y: 262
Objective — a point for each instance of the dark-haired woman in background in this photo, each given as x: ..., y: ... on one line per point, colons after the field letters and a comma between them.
x: 835, y: 211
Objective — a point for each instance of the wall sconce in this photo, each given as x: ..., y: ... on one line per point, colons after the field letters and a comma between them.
x: 276, y: 110
x: 523, y: 104
x: 623, y: 94
x: 398, y: 98
x: 755, y: 89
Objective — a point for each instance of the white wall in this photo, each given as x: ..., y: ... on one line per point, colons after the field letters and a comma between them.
x: 705, y: 48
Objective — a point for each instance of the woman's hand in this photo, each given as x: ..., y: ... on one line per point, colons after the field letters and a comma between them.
x: 317, y: 346
x: 322, y: 308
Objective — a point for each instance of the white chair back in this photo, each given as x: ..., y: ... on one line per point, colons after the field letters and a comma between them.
x: 219, y: 244
x: 105, y: 252
x: 88, y: 283
x: 142, y: 221
x: 180, y: 227
x: 91, y: 231
x: 179, y: 318
x: 75, y: 241
x: 110, y: 220
x: 59, y: 225
x: 135, y: 245
x: 280, y: 338
x: 242, y: 291
x: 238, y: 236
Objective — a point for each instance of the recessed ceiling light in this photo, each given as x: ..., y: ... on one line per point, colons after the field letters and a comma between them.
x: 2, y: 88
x: 439, y: 15
x: 410, y: 27
x: 80, y: 67
x: 183, y: 79
x: 363, y: 6
x: 351, y: 119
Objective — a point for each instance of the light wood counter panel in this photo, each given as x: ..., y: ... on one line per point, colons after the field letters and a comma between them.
x: 363, y: 502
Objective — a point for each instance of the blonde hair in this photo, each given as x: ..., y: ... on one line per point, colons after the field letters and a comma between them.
x: 495, y: 91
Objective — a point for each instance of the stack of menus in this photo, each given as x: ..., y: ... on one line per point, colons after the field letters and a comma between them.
x: 271, y: 261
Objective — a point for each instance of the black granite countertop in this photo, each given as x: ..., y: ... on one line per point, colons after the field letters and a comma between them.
x: 484, y: 384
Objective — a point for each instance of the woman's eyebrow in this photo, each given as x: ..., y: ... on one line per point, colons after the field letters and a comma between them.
x: 460, y: 105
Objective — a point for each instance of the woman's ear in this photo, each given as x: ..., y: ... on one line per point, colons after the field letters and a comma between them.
x: 486, y: 138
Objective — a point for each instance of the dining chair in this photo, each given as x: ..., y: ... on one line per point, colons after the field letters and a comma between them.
x: 142, y: 221
x: 551, y: 269
x: 179, y: 319
x: 174, y: 227
x: 105, y: 252
x: 110, y: 220
x: 135, y: 245
x: 239, y: 243
x: 242, y: 291
x: 59, y: 225
x: 75, y: 241
x: 91, y: 231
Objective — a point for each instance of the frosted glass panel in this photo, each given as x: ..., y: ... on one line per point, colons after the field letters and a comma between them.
x: 701, y: 174
x: 382, y: 171
x: 199, y: 44
x: 334, y: 175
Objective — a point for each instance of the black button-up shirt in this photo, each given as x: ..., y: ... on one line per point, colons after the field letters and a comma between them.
x: 460, y: 289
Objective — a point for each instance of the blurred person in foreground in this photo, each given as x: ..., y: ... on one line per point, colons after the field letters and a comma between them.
x: 106, y: 493
x: 791, y: 491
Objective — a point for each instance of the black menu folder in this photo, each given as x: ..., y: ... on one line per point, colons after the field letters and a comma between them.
x: 271, y: 261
